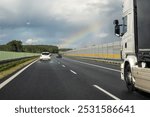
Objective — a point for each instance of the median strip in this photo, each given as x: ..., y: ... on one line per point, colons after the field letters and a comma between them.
x: 11, y: 67
x: 9, y: 64
x: 15, y: 75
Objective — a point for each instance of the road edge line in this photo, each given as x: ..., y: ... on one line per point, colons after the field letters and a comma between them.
x: 15, y: 75
x: 107, y: 68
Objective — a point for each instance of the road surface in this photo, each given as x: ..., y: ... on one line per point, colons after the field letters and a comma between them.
x: 69, y: 79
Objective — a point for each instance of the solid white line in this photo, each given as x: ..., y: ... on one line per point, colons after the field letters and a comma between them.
x: 15, y: 75
x: 63, y: 66
x: 73, y: 72
x: 97, y: 66
x: 106, y: 92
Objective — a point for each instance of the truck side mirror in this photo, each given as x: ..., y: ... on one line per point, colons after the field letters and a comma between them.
x: 117, y: 27
x: 116, y: 22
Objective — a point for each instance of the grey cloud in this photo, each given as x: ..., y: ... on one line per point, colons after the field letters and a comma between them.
x: 33, y: 19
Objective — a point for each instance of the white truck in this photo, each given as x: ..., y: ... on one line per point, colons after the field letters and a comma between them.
x: 135, y: 44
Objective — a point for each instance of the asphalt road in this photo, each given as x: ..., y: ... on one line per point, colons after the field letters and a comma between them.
x: 69, y: 79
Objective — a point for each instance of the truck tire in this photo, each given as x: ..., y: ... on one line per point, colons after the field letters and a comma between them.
x: 128, y: 79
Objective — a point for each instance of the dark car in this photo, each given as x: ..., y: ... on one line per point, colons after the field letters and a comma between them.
x: 59, y: 56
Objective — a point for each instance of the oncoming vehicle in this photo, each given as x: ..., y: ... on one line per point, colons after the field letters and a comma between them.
x: 45, y: 56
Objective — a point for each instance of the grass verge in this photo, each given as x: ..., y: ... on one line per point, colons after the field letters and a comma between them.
x: 11, y: 67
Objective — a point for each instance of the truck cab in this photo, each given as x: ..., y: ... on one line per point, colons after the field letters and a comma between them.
x: 135, y: 44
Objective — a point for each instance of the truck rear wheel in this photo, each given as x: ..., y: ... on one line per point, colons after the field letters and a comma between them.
x: 128, y: 79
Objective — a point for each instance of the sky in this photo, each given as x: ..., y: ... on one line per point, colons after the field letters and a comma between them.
x: 65, y: 23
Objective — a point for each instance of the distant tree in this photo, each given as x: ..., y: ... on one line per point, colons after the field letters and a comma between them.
x: 18, y: 47
x: 40, y: 48
x: 3, y: 48
x: 64, y: 49
x: 15, y: 46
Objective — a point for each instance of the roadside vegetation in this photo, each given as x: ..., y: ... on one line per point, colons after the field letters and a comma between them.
x: 16, y: 46
x: 7, y: 68
x: 10, y: 67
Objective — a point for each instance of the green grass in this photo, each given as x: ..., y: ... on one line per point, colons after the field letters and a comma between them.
x: 9, y: 68
x: 13, y: 55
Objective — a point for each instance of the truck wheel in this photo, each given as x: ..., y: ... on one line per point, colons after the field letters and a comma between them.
x: 128, y: 79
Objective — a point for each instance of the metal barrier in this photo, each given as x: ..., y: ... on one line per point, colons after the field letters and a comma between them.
x: 15, y: 55
x: 104, y: 51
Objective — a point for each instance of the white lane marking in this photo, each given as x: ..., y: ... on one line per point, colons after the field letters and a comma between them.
x: 15, y: 75
x: 106, y: 92
x: 73, y: 72
x: 63, y: 66
x: 97, y: 66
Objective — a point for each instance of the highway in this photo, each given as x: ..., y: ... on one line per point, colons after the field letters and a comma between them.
x: 69, y: 79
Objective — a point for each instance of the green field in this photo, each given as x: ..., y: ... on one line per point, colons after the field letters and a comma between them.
x: 13, y: 55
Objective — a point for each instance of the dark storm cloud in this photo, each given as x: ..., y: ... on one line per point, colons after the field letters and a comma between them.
x: 52, y: 21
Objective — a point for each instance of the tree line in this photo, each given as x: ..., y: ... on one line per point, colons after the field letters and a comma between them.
x: 17, y: 46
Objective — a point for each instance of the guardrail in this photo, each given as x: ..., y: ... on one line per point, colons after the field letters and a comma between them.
x: 5, y: 56
x: 104, y: 51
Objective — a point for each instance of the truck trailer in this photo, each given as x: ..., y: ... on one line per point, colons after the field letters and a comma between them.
x: 135, y: 44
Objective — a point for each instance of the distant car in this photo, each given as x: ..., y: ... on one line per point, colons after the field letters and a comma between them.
x: 59, y: 56
x: 45, y: 56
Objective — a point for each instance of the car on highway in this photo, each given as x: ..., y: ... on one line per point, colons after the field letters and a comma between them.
x: 59, y: 56
x: 45, y: 56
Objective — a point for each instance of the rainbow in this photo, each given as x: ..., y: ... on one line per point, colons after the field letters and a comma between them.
x: 81, y: 34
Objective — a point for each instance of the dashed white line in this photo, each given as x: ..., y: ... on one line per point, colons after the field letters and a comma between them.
x: 63, y: 66
x: 106, y: 92
x: 15, y: 75
x: 73, y: 72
